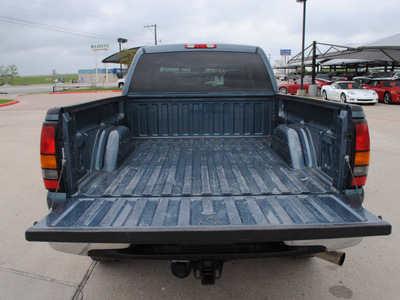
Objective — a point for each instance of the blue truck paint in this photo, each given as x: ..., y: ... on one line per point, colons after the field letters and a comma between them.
x: 205, y: 176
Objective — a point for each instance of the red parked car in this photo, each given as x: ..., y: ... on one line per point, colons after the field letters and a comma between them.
x: 293, y: 87
x: 388, y: 90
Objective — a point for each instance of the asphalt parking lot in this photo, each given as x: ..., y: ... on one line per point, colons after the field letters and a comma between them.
x: 35, y: 271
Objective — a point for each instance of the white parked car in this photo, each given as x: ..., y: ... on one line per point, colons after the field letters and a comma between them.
x: 121, y: 83
x: 348, y: 92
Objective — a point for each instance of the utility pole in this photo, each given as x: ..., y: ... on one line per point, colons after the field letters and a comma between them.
x: 155, y: 32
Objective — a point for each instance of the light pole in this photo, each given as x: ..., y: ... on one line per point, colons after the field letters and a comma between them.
x: 302, y: 91
x: 121, y: 41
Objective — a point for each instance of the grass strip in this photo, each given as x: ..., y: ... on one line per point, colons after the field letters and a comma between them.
x: 2, y: 101
x: 46, y: 79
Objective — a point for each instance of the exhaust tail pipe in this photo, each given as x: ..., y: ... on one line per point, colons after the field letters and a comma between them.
x: 335, y: 257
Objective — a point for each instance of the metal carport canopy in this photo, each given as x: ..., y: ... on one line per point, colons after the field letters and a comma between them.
x: 386, y: 49
x: 344, y: 61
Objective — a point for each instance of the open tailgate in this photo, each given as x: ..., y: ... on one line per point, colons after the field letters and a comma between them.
x: 206, y: 220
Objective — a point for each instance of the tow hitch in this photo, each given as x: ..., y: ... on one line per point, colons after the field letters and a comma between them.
x: 205, y: 270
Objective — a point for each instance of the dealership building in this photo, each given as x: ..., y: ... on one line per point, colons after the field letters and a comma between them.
x: 103, y: 75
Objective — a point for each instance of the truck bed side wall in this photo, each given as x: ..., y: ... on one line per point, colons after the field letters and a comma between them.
x: 81, y: 127
x: 328, y: 126
x: 320, y: 127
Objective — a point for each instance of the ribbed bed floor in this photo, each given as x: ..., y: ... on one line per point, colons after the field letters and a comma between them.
x: 203, y: 167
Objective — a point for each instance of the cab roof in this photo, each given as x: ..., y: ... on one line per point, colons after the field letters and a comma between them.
x: 182, y: 47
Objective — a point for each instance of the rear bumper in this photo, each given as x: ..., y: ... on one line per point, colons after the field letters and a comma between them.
x: 329, y: 244
x: 206, y: 252
x: 309, y: 246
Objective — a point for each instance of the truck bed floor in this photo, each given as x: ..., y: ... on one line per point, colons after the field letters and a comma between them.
x: 203, y: 167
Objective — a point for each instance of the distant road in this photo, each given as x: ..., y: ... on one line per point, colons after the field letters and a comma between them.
x: 15, y: 91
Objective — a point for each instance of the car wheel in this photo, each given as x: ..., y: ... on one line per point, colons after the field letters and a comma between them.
x: 324, y: 95
x: 387, y: 98
x: 283, y: 90
x: 121, y: 85
x: 343, y: 98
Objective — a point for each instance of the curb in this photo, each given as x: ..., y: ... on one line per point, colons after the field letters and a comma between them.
x: 9, y: 103
x: 86, y: 92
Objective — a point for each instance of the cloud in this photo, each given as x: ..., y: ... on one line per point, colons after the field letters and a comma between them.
x: 273, y: 25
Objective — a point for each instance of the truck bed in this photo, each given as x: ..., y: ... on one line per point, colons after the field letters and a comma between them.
x: 205, y: 190
x: 203, y: 167
x: 227, y: 190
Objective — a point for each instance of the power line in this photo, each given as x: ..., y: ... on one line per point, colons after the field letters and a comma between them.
x: 81, y: 11
x: 61, y: 14
x: 62, y: 29
x: 155, y: 32
x: 55, y: 28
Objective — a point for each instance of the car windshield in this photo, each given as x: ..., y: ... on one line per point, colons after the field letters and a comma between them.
x: 350, y: 86
x: 391, y: 83
x: 200, y: 72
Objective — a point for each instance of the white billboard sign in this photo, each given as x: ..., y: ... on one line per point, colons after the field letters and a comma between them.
x: 100, y: 47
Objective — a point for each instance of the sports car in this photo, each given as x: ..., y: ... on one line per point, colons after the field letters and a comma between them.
x: 348, y: 91
x: 293, y: 87
x: 388, y: 90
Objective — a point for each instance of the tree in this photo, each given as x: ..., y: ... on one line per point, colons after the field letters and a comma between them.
x: 127, y: 56
x: 279, y: 63
x: 7, y: 74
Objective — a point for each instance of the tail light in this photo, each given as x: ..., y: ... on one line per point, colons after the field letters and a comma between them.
x: 48, y: 156
x: 361, y: 156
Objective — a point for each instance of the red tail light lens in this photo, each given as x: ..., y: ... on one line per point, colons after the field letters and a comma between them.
x: 362, y: 137
x: 50, y: 184
x: 360, y: 181
x: 47, y: 141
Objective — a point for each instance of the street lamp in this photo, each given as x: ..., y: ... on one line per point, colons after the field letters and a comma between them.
x: 302, y: 46
x: 121, y: 41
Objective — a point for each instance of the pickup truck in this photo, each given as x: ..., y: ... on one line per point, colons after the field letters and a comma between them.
x: 200, y: 160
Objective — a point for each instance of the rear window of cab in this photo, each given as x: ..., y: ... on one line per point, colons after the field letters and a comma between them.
x: 200, y: 71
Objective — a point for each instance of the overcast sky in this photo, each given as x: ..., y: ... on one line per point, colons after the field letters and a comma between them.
x: 44, y: 35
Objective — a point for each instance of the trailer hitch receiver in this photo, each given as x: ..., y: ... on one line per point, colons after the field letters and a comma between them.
x: 208, y: 270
